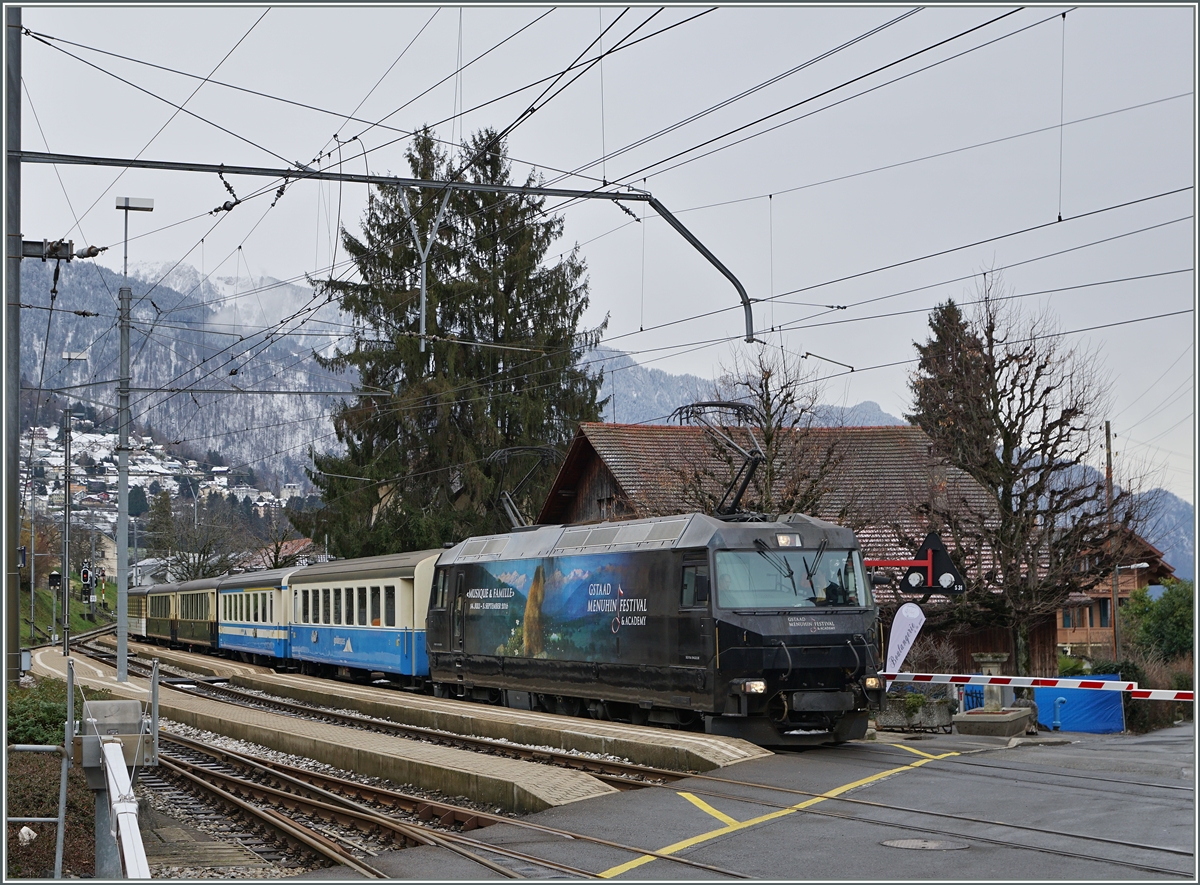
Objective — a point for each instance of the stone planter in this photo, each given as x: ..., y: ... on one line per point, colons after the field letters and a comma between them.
x: 935, y: 715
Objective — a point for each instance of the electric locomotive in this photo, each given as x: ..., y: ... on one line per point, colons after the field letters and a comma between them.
x: 760, y: 630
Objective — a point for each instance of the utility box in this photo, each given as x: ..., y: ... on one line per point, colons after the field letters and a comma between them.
x: 105, y: 720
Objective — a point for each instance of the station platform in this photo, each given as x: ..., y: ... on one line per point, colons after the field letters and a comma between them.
x: 643, y: 745
x: 657, y: 747
x: 205, y: 665
x: 508, y: 784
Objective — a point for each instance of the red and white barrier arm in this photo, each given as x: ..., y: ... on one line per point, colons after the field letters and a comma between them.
x: 1039, y: 682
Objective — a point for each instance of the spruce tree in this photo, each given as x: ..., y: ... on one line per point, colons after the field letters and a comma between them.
x: 950, y: 391
x: 500, y: 365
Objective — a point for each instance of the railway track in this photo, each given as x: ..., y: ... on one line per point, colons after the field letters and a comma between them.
x: 371, y: 809
x: 628, y: 776
x: 623, y: 775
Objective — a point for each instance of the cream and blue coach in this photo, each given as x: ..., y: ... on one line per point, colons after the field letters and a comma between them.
x: 253, y: 615
x: 361, y: 616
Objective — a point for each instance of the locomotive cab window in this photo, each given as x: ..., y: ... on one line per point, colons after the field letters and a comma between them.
x: 439, y: 589
x: 695, y: 592
x: 774, y: 579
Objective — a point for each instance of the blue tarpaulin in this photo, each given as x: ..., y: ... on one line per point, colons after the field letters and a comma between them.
x: 1089, y: 710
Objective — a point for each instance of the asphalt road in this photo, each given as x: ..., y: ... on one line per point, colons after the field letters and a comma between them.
x: 1068, y: 791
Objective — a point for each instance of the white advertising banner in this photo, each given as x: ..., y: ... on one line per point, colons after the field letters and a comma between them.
x: 905, y: 627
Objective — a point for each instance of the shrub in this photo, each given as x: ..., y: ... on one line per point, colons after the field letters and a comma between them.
x: 1069, y: 666
x: 913, y: 702
x: 36, y: 715
x: 1149, y: 670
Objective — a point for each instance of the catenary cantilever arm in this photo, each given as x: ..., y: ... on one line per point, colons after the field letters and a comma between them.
x: 302, y: 173
x: 703, y: 250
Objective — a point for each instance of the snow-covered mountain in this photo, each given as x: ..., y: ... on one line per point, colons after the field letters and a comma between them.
x: 1172, y: 529
x: 641, y: 395
x: 190, y: 335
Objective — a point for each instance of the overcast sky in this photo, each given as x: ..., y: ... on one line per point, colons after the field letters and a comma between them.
x: 912, y: 134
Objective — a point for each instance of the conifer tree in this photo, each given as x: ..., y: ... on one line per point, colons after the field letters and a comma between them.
x: 500, y: 365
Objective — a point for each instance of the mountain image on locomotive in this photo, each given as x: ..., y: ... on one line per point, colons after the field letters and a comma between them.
x: 760, y: 630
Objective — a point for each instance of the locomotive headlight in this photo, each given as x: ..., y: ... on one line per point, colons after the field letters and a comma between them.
x: 872, y: 683
x: 753, y: 686
x: 782, y: 540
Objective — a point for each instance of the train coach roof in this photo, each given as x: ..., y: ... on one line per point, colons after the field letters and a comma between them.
x: 397, y: 564
x: 263, y: 578
x: 663, y: 532
x: 186, y: 586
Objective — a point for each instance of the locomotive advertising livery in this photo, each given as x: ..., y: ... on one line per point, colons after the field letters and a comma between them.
x: 760, y: 630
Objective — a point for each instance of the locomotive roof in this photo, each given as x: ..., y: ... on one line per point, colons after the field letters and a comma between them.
x: 401, y: 564
x: 690, y: 530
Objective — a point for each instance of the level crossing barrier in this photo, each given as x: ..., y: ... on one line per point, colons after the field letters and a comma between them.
x: 1148, y: 694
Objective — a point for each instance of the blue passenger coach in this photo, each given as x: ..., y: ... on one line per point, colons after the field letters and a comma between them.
x: 253, y: 610
x: 361, y: 616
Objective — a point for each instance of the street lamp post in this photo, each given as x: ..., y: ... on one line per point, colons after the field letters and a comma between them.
x: 1116, y: 621
x: 126, y: 205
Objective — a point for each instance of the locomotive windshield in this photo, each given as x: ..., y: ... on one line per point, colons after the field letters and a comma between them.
x: 769, y: 578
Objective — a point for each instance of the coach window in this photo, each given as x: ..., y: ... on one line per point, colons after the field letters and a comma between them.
x: 325, y: 605
x: 270, y: 597
x: 374, y: 606
x: 337, y: 605
x: 362, y: 606
x: 389, y: 606
x: 695, y: 587
x: 254, y: 607
x: 303, y: 606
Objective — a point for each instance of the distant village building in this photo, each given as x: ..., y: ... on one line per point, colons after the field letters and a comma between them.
x: 242, y: 492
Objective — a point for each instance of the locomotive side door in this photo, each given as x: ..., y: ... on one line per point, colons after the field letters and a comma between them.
x: 695, y: 623
x: 458, y: 614
x: 436, y: 626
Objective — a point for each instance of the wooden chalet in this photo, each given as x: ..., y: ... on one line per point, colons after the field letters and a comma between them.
x: 1085, y: 626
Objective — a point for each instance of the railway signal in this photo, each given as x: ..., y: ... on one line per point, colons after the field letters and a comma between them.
x: 930, y: 571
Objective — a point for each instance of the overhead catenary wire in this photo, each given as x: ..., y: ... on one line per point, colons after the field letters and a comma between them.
x: 555, y: 81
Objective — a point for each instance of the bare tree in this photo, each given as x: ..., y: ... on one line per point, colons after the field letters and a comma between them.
x: 206, y: 539
x: 1026, y: 423
x: 799, y: 458
x: 277, y: 533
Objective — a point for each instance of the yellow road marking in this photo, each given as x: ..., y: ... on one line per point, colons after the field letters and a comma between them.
x: 704, y: 806
x: 922, y: 752
x: 734, y: 826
